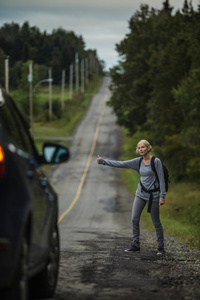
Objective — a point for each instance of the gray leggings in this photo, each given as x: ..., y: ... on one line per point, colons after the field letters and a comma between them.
x: 138, y: 206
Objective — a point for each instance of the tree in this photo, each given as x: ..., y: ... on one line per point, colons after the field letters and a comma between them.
x: 153, y: 81
x: 166, y: 7
x: 130, y: 87
x: 187, y: 97
x: 56, y: 50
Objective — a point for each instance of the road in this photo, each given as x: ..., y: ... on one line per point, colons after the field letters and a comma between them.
x: 95, y: 225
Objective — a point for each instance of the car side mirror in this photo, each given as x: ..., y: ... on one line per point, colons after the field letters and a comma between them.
x: 54, y: 153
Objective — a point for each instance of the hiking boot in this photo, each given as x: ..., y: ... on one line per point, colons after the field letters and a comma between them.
x: 161, y: 251
x: 133, y: 249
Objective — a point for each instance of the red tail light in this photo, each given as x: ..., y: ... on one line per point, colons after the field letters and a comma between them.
x: 2, y: 157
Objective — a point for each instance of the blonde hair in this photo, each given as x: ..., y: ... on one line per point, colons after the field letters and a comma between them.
x: 145, y: 143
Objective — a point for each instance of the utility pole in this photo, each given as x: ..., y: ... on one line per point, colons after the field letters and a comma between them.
x: 7, y: 74
x: 30, y: 80
x: 50, y: 94
x: 77, y: 72
x: 86, y: 71
x: 91, y: 63
x: 63, y: 90
x: 71, y: 82
x: 82, y: 77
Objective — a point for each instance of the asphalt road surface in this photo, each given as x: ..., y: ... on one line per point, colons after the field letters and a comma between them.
x: 95, y: 225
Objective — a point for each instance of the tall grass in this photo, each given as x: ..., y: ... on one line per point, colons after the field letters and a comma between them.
x: 181, y: 213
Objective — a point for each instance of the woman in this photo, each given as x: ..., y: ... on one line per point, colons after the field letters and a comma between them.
x: 148, y: 182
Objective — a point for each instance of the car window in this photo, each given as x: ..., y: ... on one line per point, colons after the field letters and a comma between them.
x: 11, y: 123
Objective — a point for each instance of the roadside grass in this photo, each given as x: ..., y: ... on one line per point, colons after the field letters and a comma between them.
x: 180, y: 215
x: 62, y: 127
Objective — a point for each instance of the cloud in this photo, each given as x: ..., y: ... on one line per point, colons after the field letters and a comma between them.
x: 101, y: 23
x: 103, y: 10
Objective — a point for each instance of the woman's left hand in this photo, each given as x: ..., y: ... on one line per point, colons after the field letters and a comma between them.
x: 161, y: 202
x: 98, y: 159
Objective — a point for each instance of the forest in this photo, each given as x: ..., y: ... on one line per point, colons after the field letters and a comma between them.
x: 156, y: 85
x: 56, y: 50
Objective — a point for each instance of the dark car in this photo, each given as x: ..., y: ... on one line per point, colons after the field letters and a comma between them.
x: 29, y: 238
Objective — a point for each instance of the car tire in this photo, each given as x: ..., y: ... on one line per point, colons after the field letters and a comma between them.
x: 43, y: 285
x: 19, y: 288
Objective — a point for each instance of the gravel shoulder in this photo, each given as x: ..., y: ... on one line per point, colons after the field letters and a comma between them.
x: 104, y: 271
x: 100, y: 269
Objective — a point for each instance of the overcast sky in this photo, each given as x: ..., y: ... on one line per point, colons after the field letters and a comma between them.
x: 102, y: 23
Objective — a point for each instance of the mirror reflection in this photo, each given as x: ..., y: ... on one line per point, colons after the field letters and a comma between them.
x: 55, y: 153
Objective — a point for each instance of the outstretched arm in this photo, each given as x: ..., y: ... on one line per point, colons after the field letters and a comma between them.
x: 128, y: 164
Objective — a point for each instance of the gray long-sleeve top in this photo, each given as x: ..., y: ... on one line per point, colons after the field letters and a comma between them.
x: 147, y: 176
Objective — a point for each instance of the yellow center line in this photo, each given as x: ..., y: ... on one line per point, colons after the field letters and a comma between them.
x: 87, y: 165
